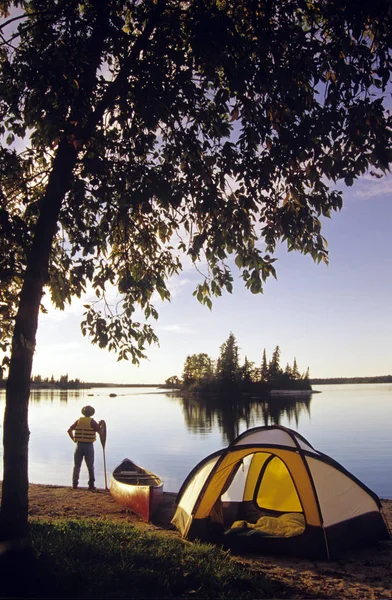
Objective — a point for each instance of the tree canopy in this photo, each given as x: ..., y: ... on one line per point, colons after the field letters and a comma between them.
x: 197, y: 368
x: 133, y: 134
x: 223, y: 123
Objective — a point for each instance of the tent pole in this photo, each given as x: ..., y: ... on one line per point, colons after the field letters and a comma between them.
x: 326, y: 543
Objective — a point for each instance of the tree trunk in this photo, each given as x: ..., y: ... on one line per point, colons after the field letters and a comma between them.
x: 13, y: 514
x: 14, y: 506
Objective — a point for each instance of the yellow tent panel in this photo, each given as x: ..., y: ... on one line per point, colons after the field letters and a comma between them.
x: 277, y: 490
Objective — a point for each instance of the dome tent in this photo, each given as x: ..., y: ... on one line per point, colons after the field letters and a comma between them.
x: 270, y: 491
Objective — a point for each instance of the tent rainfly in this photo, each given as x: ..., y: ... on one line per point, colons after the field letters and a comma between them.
x: 270, y: 491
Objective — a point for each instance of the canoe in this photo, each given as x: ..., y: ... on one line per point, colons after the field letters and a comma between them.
x: 136, y: 488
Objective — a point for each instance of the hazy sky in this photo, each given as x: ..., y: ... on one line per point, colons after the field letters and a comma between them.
x: 334, y: 319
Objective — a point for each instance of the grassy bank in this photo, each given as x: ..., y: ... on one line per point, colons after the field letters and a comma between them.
x: 99, y: 559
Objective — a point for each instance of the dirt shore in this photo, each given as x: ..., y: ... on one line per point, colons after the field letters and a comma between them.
x: 363, y: 574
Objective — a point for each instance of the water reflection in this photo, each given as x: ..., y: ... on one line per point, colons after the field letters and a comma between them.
x: 232, y: 415
x: 204, y: 414
x: 54, y: 394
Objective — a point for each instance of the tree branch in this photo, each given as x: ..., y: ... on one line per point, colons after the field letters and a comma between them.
x: 116, y: 86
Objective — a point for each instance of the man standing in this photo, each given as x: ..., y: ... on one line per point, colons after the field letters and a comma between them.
x: 83, y: 433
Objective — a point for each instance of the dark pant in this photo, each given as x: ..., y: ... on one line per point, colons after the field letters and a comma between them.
x: 83, y: 450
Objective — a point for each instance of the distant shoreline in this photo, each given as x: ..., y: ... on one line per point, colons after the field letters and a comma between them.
x: 316, y: 381
x: 337, y: 380
x: 87, y: 386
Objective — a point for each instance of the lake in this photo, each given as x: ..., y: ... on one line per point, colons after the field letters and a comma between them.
x: 169, y: 435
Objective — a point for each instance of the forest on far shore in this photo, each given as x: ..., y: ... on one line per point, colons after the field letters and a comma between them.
x: 336, y: 380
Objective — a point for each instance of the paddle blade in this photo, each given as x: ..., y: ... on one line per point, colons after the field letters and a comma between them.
x: 102, y: 432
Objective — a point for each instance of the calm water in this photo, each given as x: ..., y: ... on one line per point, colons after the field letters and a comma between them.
x: 351, y: 423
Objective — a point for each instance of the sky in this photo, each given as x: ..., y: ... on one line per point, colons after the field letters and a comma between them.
x: 334, y: 319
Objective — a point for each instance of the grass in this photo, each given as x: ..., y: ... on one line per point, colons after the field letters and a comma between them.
x: 100, y: 559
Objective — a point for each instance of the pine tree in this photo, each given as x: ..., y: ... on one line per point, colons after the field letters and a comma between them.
x: 247, y: 371
x: 264, y: 368
x: 274, y: 369
x: 295, y: 372
x: 228, y: 364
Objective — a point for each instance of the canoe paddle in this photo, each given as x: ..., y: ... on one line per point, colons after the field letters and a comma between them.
x: 102, y: 437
